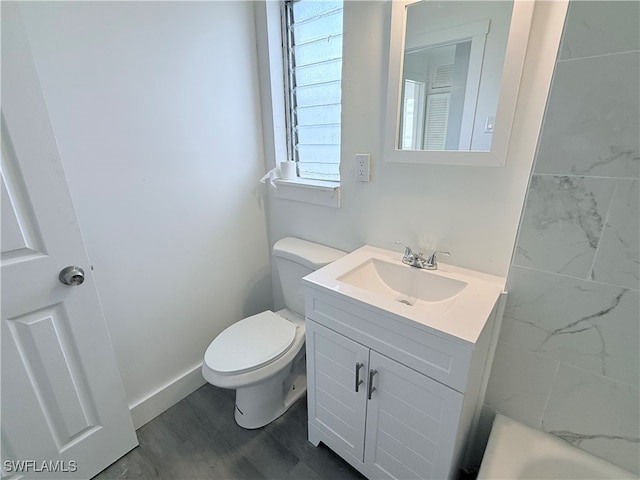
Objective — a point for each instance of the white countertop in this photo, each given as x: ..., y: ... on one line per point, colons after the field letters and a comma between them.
x: 461, y: 318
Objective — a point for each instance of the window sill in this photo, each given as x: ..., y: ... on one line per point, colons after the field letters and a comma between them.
x: 317, y: 192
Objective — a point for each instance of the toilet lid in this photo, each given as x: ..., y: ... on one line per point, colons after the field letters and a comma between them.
x: 250, y: 343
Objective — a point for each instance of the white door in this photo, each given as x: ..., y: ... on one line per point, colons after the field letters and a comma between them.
x: 337, y: 389
x: 64, y: 413
x: 412, y: 422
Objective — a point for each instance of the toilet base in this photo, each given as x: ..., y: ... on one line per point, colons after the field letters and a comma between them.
x: 260, y: 404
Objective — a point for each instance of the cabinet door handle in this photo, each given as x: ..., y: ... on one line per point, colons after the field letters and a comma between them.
x: 358, y: 381
x: 371, y: 387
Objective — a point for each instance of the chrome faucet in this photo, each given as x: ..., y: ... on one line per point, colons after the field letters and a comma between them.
x: 417, y: 259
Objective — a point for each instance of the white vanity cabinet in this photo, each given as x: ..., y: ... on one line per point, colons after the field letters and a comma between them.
x: 393, y: 400
x: 391, y: 419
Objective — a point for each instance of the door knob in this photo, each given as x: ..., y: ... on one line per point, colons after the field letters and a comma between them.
x: 71, y: 275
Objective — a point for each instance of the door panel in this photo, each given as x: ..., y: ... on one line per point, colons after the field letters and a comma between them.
x: 63, y: 404
x: 47, y: 352
x: 20, y: 235
x: 333, y: 401
x: 411, y: 422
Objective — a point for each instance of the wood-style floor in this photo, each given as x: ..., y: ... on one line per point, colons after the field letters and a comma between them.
x: 198, y: 439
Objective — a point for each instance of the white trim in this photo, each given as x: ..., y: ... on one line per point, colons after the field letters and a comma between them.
x: 474, y: 74
x: 417, y: 41
x: 317, y: 192
x: 271, y: 79
x: 148, y: 408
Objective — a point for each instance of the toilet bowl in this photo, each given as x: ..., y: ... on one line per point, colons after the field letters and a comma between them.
x: 262, y: 356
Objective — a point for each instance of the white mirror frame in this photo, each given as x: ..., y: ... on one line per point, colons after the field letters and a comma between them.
x: 517, y: 42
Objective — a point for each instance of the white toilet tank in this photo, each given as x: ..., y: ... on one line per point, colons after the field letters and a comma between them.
x: 296, y: 258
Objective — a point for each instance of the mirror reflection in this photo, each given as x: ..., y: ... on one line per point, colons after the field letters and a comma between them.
x: 454, y: 53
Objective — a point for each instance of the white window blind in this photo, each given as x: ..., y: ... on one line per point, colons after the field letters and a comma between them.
x: 442, y: 76
x: 437, y: 117
x: 438, y: 103
x: 314, y: 53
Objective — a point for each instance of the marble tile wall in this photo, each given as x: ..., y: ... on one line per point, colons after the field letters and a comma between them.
x: 568, y: 357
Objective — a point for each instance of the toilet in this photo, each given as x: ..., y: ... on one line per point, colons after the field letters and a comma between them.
x: 262, y: 357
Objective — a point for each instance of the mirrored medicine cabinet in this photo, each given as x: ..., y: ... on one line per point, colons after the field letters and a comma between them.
x: 454, y: 75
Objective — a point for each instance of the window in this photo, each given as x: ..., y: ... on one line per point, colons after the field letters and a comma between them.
x: 313, y: 54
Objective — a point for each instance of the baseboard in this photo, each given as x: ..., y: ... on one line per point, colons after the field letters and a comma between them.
x: 145, y: 410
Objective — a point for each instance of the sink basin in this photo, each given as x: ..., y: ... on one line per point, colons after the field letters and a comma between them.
x: 452, y: 301
x: 403, y: 283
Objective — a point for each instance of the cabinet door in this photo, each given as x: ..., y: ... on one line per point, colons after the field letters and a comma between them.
x: 411, y: 422
x: 337, y: 405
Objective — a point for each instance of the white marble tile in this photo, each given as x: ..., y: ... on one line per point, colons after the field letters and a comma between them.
x: 562, y: 223
x: 596, y: 414
x: 600, y: 27
x: 617, y: 260
x: 520, y: 383
x: 592, y: 120
x: 586, y: 324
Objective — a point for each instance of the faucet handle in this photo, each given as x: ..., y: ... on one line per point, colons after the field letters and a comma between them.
x: 409, y: 258
x: 407, y: 248
x: 432, y: 258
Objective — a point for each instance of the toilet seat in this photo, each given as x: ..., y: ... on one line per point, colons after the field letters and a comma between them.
x: 250, y: 344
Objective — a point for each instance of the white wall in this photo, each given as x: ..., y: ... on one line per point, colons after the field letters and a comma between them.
x: 155, y: 107
x: 472, y: 212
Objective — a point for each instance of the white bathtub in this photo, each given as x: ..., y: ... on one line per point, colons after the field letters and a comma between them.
x: 516, y: 451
